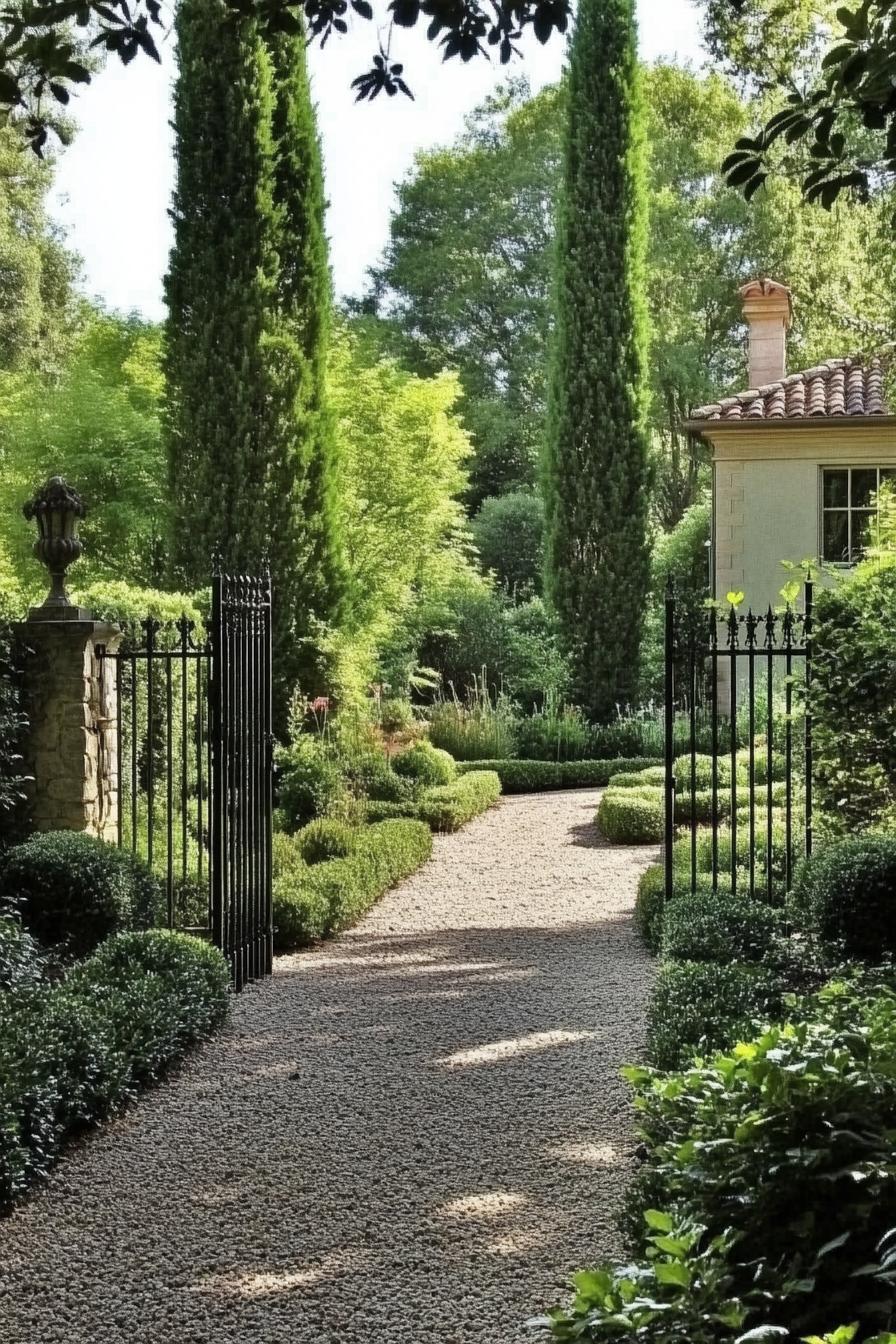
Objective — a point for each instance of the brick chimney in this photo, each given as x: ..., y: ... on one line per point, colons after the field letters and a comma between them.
x: 767, y: 311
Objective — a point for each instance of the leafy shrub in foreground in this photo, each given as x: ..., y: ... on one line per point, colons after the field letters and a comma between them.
x: 846, y: 893
x: 71, y: 888
x: 426, y: 764
x: 631, y: 816
x: 787, y: 1144
x: 701, y: 1005
x: 325, y: 839
x: 315, y: 902
x: 716, y: 926
x: 73, y: 1052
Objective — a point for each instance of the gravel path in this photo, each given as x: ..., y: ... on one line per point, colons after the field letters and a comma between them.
x: 410, y: 1136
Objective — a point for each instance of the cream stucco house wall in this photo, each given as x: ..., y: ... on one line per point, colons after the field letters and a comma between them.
x: 796, y: 460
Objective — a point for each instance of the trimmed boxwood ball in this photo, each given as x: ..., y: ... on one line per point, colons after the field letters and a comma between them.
x: 701, y: 1007
x: 846, y: 894
x: 426, y: 764
x: 310, y: 787
x: 375, y: 778
x: 326, y: 839
x: 631, y: 816
x: 716, y: 926
x: 74, y: 889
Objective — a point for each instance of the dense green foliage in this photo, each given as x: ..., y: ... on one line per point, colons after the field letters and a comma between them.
x: 250, y: 438
x: 71, y: 888
x: 509, y: 534
x: 425, y: 764
x: 312, y: 902
x: 73, y: 1052
x: 854, y: 696
x: 446, y: 807
x: 324, y: 839
x: 716, y: 926
x: 596, y: 473
x: 846, y: 894
x: 631, y: 816
x: 768, y: 1199
x: 19, y: 956
x: 541, y: 776
x: 705, y: 1006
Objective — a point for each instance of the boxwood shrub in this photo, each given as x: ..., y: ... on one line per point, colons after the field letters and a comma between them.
x: 846, y: 894
x: 649, y: 904
x: 20, y: 962
x: 716, y: 926
x: 75, y: 1051
x: 544, y: 776
x: 312, y: 902
x: 448, y: 806
x: 325, y: 839
x: 71, y: 888
x: 631, y: 816
x: 705, y: 1006
x: 637, y: 779
x: 426, y: 764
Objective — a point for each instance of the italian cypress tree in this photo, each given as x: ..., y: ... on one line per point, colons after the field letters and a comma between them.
x: 596, y: 473
x: 250, y: 443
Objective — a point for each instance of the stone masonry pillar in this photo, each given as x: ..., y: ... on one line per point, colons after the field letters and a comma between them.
x: 70, y: 693
x: 71, y: 745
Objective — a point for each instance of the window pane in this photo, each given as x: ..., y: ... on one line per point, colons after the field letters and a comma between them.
x: 862, y: 524
x: 836, y: 489
x: 836, y: 536
x: 864, y: 487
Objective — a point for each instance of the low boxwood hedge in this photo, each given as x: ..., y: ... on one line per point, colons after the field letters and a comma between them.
x: 447, y: 807
x: 313, y: 902
x: 716, y: 926
x: 70, y: 888
x: 649, y: 904
x: 704, y: 1006
x: 325, y: 839
x: 75, y: 1051
x: 545, y: 776
x: 846, y: 894
x: 631, y: 816
x: 425, y: 764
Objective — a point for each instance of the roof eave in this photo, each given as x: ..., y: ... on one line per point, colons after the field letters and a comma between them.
x: 703, y: 427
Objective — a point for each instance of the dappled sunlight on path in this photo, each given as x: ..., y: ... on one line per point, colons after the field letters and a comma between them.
x: 413, y: 1134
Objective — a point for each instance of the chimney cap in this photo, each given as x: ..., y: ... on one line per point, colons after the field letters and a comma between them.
x: 766, y: 295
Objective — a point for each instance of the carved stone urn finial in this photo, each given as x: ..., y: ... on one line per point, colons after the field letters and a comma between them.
x: 57, y: 509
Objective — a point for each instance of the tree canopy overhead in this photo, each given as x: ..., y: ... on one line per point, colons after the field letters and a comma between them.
x: 45, y: 45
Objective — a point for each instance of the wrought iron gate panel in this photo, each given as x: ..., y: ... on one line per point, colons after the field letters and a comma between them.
x: 194, y: 795
x: 729, y: 669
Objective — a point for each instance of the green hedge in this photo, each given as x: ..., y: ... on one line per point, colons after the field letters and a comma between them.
x: 71, y: 888
x: 716, y: 926
x: 631, y: 816
x: 73, y: 1052
x: 325, y: 839
x: 425, y: 764
x: 447, y: 807
x: 649, y: 904
x: 545, y: 776
x: 317, y: 901
x: 846, y: 894
x: 701, y: 1005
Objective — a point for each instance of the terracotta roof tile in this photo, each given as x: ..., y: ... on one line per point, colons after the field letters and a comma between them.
x: 839, y: 387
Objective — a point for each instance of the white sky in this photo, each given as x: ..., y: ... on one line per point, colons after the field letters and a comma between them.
x: 114, y: 183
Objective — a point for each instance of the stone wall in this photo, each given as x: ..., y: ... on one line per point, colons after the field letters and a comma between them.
x: 71, y: 745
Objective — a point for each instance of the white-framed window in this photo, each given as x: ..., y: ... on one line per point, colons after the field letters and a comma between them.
x: 848, y: 510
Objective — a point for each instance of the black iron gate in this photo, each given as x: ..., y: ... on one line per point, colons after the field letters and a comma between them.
x: 738, y: 799
x: 194, y: 776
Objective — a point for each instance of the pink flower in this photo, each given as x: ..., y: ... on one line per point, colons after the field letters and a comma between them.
x: 322, y: 702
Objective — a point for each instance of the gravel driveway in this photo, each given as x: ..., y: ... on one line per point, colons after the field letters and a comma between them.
x: 411, y: 1135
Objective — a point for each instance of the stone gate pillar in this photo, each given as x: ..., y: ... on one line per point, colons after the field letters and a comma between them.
x: 70, y: 693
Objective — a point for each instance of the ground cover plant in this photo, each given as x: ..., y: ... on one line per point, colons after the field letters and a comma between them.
x: 75, y: 1050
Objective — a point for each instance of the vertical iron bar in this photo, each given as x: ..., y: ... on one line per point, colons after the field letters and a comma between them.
x: 184, y: 743
x: 807, y: 644
x: 201, y: 690
x: 692, y: 681
x: 268, y: 747
x: 787, y: 625
x: 135, y: 699
x: 217, y: 778
x: 770, y: 733
x: 150, y: 739
x: 119, y: 745
x: 669, y: 726
x: 714, y: 669
x: 751, y: 712
x: 169, y: 788
x: 732, y: 729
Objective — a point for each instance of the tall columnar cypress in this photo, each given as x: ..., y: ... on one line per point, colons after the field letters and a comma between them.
x: 250, y: 442
x: 596, y: 471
